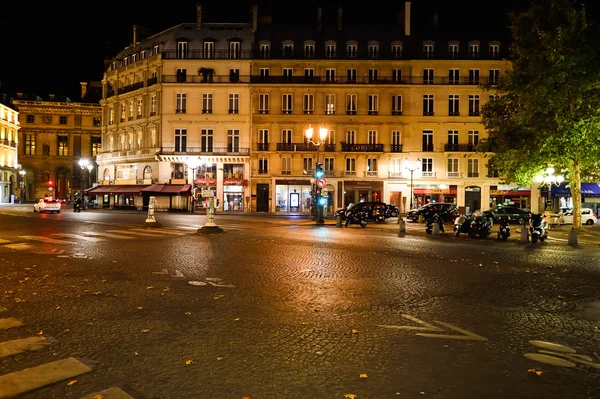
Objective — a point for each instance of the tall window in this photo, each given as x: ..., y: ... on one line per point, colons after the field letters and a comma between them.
x: 123, y: 109
x: 63, y: 146
x: 473, y: 167
x: 350, y: 136
x: 452, y: 168
x: 234, y: 103
x: 62, y: 120
x: 373, y: 75
x: 427, y: 140
x: 397, y: 75
x: 309, y: 51
x: 454, y: 76
x: 180, y: 140
x: 396, y: 51
x: 181, y: 103
x: 494, y: 51
x: 130, y: 110
x: 309, y: 103
x: 330, y: 74
x: 372, y: 167
x: 473, y: 139
x: 263, y: 137
x: 453, y: 140
x: 207, y: 103
x: 265, y: 50
x: 96, y: 121
x: 396, y: 141
x: 286, y: 103
x: 428, y: 50
x: 427, y: 167
x: 309, y: 74
x: 396, y: 104
x: 264, y: 74
x: 30, y: 144
x: 209, y: 49
x: 328, y: 165
x: 330, y: 50
x: 287, y: 74
x: 351, y: 166
x: 263, y: 103
x: 428, y: 104
x: 286, y: 136
x: 286, y: 165
x: 473, y: 50
x: 428, y: 76
x: 350, y: 104
x: 373, y: 104
x: 182, y: 49
x: 473, y: 104
x: 111, y: 115
x: 453, y: 105
x: 494, y: 76
x: 153, y: 105
x: 373, y: 50
x: 330, y: 104
x: 372, y: 136
x: 288, y: 50
x: 453, y: 50
x: 206, y: 140
x: 138, y: 108
x: 233, y: 140
x: 473, y: 76
x: 351, y: 50
x: 155, y: 49
x: 96, y: 146
x: 351, y: 75
x: 234, y: 50
x: 263, y: 165
x: 307, y: 165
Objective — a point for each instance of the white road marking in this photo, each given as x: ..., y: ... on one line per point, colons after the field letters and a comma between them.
x: 47, y: 240
x: 222, y: 285
x: 161, y: 231
x: 3, y: 241
x: 110, y: 393
x: 177, y: 274
x: 32, y: 378
x: 117, y: 236
x: 19, y: 245
x: 11, y: 322
x: 163, y: 271
x: 429, y: 327
x: 135, y: 233
x: 17, y: 346
x: 79, y: 237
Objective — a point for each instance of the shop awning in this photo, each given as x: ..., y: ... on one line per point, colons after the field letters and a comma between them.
x: 588, y: 190
x: 117, y: 189
x: 168, y: 189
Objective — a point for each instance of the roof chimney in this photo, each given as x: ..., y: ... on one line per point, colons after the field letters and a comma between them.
x: 134, y: 34
x: 339, y: 17
x: 254, y: 16
x: 51, y: 97
x: 83, y: 89
x: 320, y: 18
x: 198, y: 16
x: 407, y: 18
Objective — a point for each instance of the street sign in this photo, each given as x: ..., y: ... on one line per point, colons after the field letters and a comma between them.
x: 208, y: 193
x: 321, y: 182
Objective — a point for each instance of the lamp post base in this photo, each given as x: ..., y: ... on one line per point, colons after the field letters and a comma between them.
x: 210, y: 229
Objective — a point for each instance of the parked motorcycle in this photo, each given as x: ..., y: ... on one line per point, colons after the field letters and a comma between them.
x: 379, y: 214
x: 462, y: 224
x: 434, y: 218
x: 504, y: 229
x: 480, y: 227
x: 538, y: 228
x: 77, y: 206
x: 356, y: 217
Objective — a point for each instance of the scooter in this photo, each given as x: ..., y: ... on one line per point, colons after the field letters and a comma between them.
x: 434, y: 218
x: 538, y: 228
x: 356, y: 217
x: 462, y: 224
x: 77, y: 207
x: 480, y: 226
x: 504, y: 229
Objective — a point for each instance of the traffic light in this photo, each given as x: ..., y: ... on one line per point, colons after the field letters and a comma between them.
x: 50, y: 183
x: 319, y: 171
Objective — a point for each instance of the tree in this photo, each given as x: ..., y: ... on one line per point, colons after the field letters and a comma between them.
x: 547, y: 111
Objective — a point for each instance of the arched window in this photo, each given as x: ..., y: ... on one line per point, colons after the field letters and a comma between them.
x: 106, y: 174
x: 147, y: 173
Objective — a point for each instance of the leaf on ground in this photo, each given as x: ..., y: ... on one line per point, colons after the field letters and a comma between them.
x: 236, y: 319
x: 98, y: 396
x: 41, y: 332
x: 219, y: 358
x: 58, y: 307
x: 354, y: 331
x: 96, y: 293
x: 166, y: 290
x: 350, y: 396
x: 103, y: 281
x: 147, y: 330
x: 188, y: 313
x: 189, y: 362
x: 135, y: 353
x: 535, y: 371
x: 421, y: 393
x: 67, y: 330
x: 363, y: 376
x: 149, y: 288
x: 72, y: 382
x: 140, y: 307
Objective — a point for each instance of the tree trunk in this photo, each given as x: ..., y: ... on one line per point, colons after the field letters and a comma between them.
x: 576, y: 193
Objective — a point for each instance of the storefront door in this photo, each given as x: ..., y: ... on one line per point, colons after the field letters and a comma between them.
x: 262, y: 198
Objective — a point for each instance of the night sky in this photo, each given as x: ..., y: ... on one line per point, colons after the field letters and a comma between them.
x: 49, y: 47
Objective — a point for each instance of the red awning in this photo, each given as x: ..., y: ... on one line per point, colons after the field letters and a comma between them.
x: 168, y: 189
x: 117, y: 189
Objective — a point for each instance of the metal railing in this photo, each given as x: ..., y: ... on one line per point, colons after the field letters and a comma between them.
x: 362, y: 147
x: 204, y: 151
x: 296, y: 147
x: 395, y: 147
x: 206, y: 54
x: 460, y: 147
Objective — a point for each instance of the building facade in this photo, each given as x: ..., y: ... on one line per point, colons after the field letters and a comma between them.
x: 177, y: 118
x: 56, y: 135
x: 10, y: 179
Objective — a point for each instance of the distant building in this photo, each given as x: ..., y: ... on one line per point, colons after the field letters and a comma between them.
x: 9, y: 162
x: 56, y: 135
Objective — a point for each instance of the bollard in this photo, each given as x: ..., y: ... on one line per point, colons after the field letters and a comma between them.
x: 338, y: 221
x: 402, y: 226
x: 421, y: 219
x: 524, y: 234
x: 151, y: 220
x: 572, y: 238
x: 436, y: 229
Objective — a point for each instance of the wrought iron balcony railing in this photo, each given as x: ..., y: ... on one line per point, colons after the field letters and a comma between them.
x: 204, y: 151
x: 362, y: 147
x: 460, y: 147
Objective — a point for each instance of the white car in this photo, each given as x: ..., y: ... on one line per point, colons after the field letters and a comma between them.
x: 587, y: 216
x: 47, y: 205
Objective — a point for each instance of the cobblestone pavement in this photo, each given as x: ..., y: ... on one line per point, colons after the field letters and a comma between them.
x: 288, y: 309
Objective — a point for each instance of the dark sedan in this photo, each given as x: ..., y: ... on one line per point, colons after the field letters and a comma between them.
x: 517, y: 215
x: 449, y: 211
x: 369, y: 207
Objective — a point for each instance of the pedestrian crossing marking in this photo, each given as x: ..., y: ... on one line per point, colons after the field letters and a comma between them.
x: 3, y: 241
x: 19, y: 245
x: 79, y: 237
x: 36, y: 377
x: 117, y: 236
x: 11, y: 322
x: 18, y: 346
x: 135, y: 233
x: 47, y: 240
x: 161, y: 231
x: 111, y: 393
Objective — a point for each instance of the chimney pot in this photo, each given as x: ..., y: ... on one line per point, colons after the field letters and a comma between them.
x: 198, y: 16
x: 51, y: 97
x: 339, y: 17
x: 254, y: 15
x: 135, y: 34
x: 407, y: 18
x: 320, y: 18
x: 83, y: 89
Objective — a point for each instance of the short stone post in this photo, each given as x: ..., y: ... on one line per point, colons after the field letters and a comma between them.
x: 401, y: 226
x: 435, y: 229
x: 524, y: 234
x: 151, y: 220
x: 338, y: 221
x: 572, y: 241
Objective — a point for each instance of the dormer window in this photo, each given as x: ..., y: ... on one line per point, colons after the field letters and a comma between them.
x: 428, y: 49
x: 351, y: 50
x: 235, y: 49
x: 155, y: 49
x: 453, y: 49
x: 288, y: 49
x: 309, y: 50
x: 209, y: 49
x: 182, y: 49
x: 373, y: 50
x: 473, y: 50
x: 494, y: 50
x: 125, y: 61
x: 396, y: 50
x: 330, y: 50
x: 142, y: 54
x: 134, y: 58
x: 265, y: 50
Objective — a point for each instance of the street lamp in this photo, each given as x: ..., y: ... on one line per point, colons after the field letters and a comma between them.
x: 411, y: 167
x: 318, y: 199
x: 548, y: 178
x: 193, y: 164
x: 210, y: 227
x: 83, y: 163
x: 22, y: 185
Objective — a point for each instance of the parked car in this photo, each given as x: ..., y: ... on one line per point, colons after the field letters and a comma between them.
x: 517, y: 215
x: 371, y: 207
x: 450, y: 211
x: 392, y: 211
x: 46, y: 205
x: 587, y: 216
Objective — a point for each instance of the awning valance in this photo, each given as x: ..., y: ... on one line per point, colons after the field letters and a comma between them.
x: 168, y: 189
x: 117, y: 189
x: 588, y: 190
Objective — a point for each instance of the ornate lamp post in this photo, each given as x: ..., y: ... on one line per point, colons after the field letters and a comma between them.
x: 411, y: 167
x: 22, y: 185
x: 193, y: 164
x: 548, y: 178
x: 210, y: 227
x: 318, y: 199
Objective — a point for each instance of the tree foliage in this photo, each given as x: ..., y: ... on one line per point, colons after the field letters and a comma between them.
x: 547, y: 112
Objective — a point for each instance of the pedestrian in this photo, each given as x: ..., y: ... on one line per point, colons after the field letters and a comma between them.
x: 193, y: 205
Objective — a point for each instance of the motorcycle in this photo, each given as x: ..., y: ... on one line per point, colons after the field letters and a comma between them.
x: 356, y: 217
x: 77, y: 207
x: 434, y: 218
x: 480, y: 226
x: 504, y: 229
x: 462, y: 224
x: 538, y: 228
x: 379, y: 214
